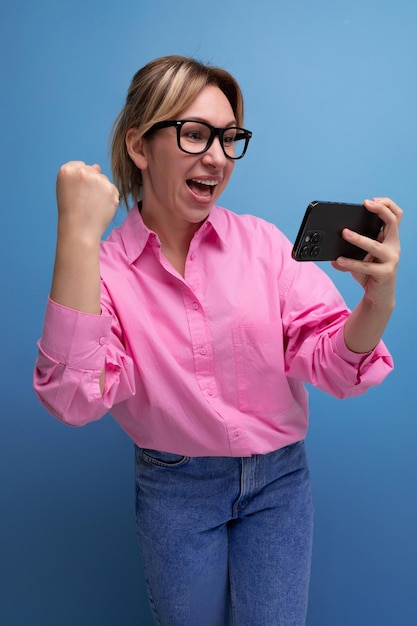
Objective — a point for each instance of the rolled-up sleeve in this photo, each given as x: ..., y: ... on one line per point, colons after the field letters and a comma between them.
x: 314, y: 316
x: 74, y: 350
x: 371, y: 368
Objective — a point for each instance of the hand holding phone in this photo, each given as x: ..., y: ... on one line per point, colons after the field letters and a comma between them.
x: 320, y: 235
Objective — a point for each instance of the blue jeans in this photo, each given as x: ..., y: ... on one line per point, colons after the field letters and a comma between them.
x: 225, y: 540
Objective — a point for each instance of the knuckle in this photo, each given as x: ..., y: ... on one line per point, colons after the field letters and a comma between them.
x: 396, y: 258
x: 64, y: 170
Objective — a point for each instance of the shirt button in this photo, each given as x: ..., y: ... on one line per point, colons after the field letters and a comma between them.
x: 203, y: 350
x: 195, y: 306
x: 210, y: 392
x: 102, y: 341
x: 237, y: 432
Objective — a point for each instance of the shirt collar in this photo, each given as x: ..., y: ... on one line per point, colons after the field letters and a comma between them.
x: 217, y: 220
x: 135, y: 234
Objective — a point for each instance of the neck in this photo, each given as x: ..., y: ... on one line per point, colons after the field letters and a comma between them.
x: 175, y: 239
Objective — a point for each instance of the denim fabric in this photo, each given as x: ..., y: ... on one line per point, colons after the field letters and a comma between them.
x: 225, y: 540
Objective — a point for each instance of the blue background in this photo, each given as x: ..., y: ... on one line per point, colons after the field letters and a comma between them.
x: 331, y: 98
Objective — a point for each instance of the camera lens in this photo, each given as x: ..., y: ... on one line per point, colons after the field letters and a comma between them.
x: 315, y: 238
x: 305, y: 251
x: 315, y: 251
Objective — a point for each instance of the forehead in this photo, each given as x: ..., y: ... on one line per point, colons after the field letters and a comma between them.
x: 210, y: 105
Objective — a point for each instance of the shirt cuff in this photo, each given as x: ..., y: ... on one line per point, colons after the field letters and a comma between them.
x: 354, y: 358
x: 74, y: 338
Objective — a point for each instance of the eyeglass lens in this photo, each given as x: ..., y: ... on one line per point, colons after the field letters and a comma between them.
x: 194, y: 138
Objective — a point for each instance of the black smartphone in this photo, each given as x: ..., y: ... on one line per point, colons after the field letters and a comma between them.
x: 320, y: 235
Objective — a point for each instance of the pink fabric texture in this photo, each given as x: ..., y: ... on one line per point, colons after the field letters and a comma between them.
x: 212, y: 364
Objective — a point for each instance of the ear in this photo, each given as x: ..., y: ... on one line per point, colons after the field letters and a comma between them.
x: 136, y: 147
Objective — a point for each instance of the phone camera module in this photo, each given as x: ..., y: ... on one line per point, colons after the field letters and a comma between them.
x: 309, y: 245
x: 311, y: 249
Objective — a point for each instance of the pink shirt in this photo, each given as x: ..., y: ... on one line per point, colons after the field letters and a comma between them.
x: 210, y: 364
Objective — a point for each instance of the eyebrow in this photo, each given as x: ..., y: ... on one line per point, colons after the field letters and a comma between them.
x: 201, y: 119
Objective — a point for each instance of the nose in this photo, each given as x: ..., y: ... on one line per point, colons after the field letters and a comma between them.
x: 215, y: 155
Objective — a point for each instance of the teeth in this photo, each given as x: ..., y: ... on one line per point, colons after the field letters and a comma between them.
x: 210, y: 183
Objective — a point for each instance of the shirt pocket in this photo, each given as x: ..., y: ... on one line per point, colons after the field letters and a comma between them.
x: 262, y: 386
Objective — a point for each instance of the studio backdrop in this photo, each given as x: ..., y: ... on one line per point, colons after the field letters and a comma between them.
x: 331, y: 98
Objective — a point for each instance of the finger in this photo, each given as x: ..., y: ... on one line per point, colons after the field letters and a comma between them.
x: 73, y: 166
x: 379, y: 272
x: 390, y: 217
x: 375, y: 249
x: 116, y: 195
x: 339, y: 265
x: 385, y: 203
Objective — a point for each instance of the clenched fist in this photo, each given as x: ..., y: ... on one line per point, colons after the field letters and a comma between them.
x: 87, y: 200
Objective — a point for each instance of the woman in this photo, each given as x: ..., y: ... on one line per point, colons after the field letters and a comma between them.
x: 195, y: 328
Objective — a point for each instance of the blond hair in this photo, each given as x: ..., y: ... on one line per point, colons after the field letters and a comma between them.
x: 158, y: 92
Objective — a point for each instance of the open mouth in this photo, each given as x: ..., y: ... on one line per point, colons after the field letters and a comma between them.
x: 202, y: 188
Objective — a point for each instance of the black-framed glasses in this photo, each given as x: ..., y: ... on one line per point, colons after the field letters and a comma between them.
x: 195, y: 137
